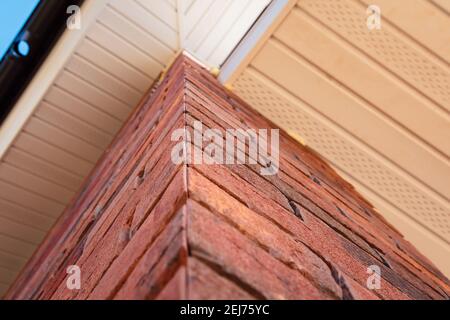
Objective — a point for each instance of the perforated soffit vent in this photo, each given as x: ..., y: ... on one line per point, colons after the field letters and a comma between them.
x: 374, y: 103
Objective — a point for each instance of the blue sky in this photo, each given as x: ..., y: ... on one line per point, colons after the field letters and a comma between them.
x: 13, y: 14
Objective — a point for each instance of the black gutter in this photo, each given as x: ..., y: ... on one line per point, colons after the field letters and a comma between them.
x: 41, y: 31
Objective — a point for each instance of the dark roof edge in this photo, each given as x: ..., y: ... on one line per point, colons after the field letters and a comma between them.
x: 41, y: 31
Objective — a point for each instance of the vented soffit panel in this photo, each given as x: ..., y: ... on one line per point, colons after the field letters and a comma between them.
x: 374, y: 103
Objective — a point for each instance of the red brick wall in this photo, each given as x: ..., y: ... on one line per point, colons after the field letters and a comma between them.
x: 144, y: 228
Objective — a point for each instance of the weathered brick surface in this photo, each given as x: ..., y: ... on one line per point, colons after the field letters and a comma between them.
x: 145, y: 228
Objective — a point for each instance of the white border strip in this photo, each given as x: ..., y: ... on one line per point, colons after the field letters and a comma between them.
x: 252, y: 38
x: 46, y: 75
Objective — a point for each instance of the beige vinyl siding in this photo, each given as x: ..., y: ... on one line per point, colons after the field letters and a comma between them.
x: 374, y: 103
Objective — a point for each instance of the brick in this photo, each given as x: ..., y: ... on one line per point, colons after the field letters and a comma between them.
x: 176, y: 287
x: 244, y: 261
x: 157, y: 266
x: 144, y: 228
x: 169, y: 207
x: 207, y: 284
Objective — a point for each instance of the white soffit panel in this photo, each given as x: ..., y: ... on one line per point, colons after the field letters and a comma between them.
x: 82, y: 94
x: 210, y: 30
x: 375, y: 103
